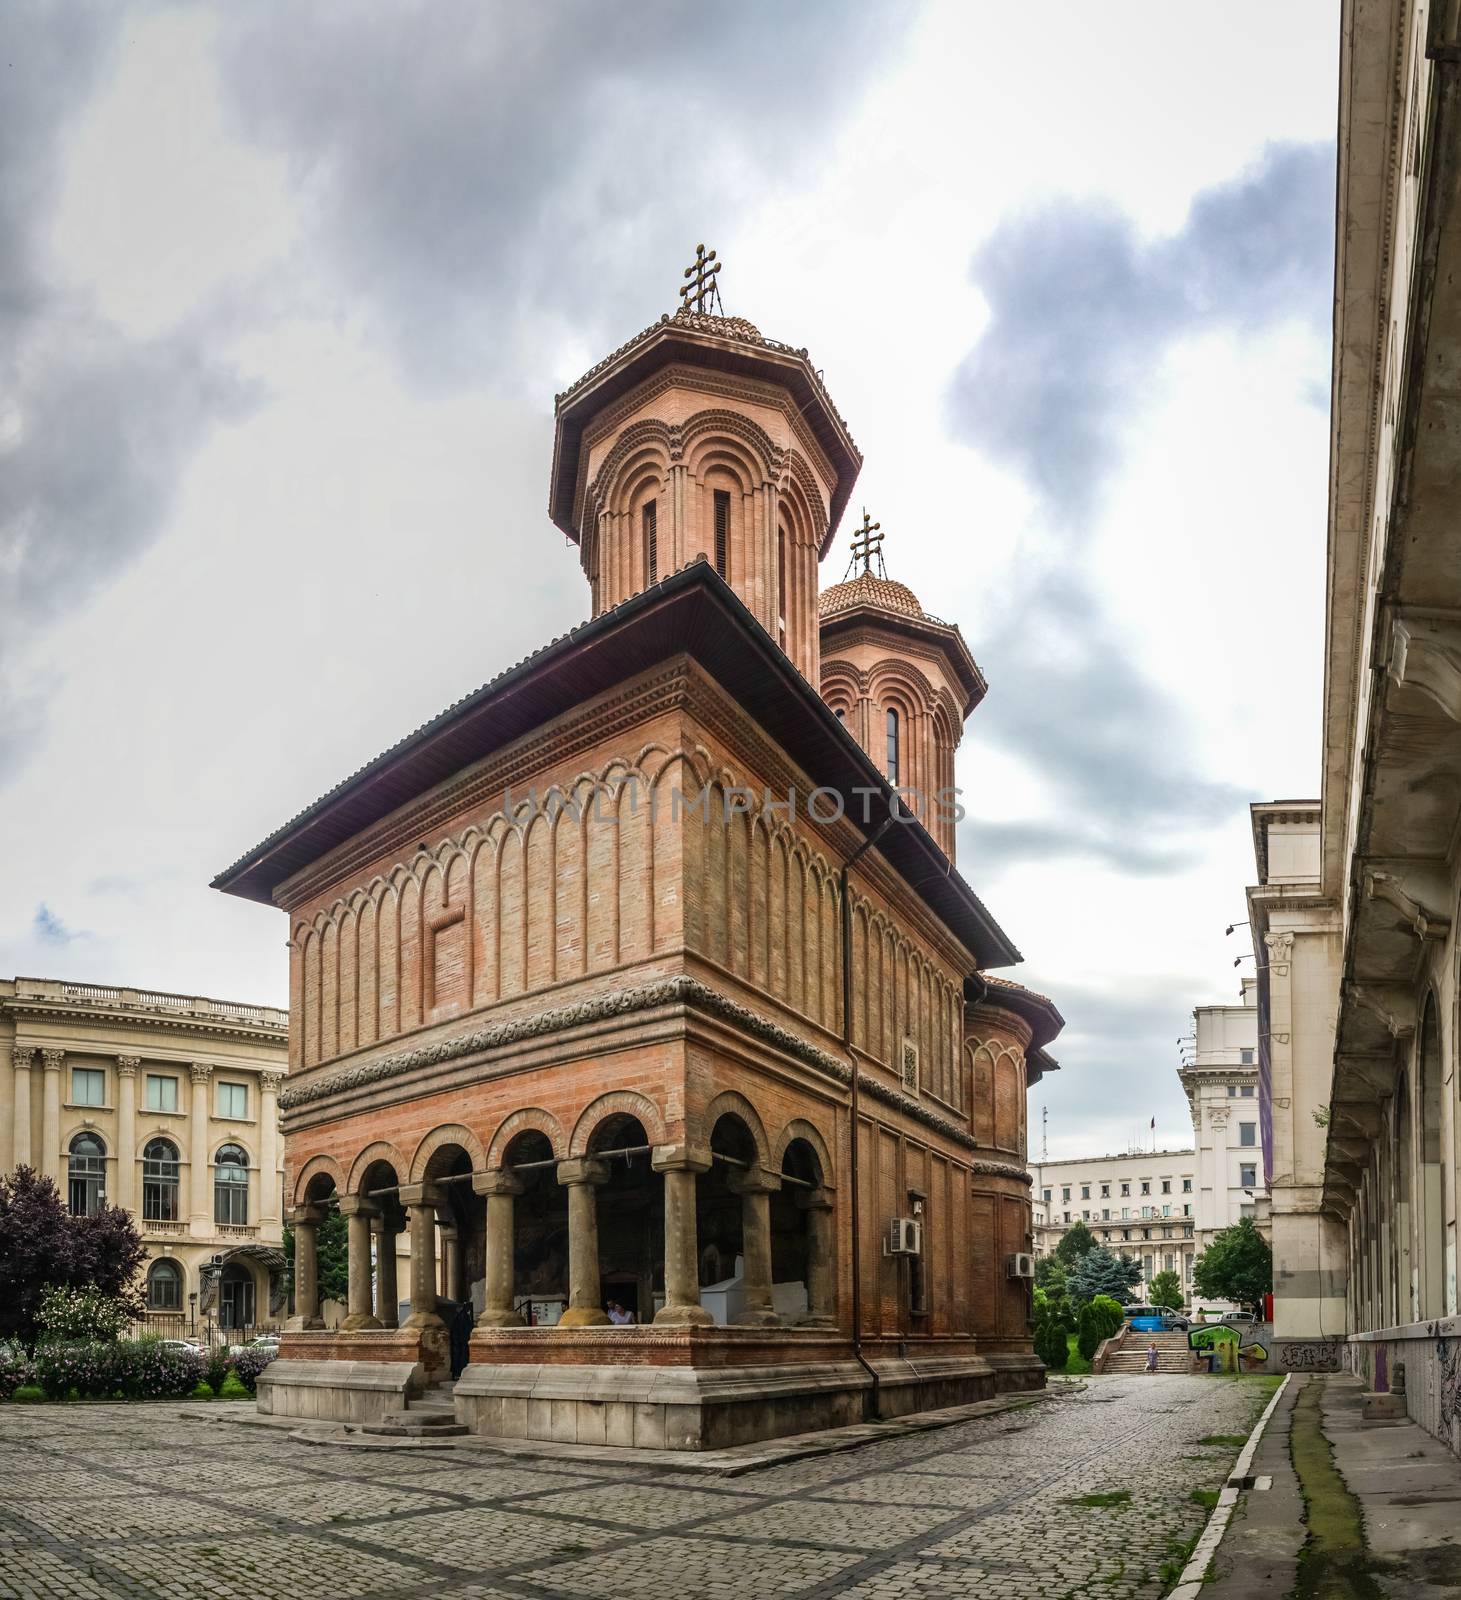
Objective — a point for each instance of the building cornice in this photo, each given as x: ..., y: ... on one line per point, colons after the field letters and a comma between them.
x: 96, y: 1005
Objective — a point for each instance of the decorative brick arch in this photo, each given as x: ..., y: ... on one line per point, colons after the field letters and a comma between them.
x: 619, y: 1102
x: 529, y: 1119
x: 728, y: 1102
x: 379, y: 1151
x: 448, y: 1133
x: 800, y: 1128
x: 318, y: 1166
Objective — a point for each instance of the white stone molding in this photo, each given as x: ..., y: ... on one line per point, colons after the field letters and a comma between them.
x: 201, y: 1071
x: 53, y: 1060
x: 1392, y: 1003
x: 127, y: 1066
x: 1392, y: 889
x: 1425, y: 654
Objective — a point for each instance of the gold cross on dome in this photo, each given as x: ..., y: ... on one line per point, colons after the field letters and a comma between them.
x: 867, y: 543
x: 701, y: 293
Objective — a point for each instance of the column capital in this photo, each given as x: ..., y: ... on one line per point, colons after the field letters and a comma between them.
x: 380, y: 1222
x: 500, y: 1180
x: 127, y: 1066
x: 358, y: 1205
x: 679, y: 1158
x: 270, y: 1082
x: 753, y: 1180
x: 815, y: 1200
x: 53, y: 1060
x: 421, y: 1194
x: 306, y: 1216
x: 583, y: 1169
x: 21, y: 1055
x: 201, y: 1071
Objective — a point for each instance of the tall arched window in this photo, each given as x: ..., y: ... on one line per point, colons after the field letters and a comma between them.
x: 649, y: 516
x: 893, y: 753
x: 231, y: 1186
x: 160, y: 1181
x: 87, y: 1175
x: 164, y: 1286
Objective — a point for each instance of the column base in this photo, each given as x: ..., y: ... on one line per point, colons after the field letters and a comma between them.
x: 583, y: 1317
x: 757, y: 1319
x: 684, y: 1317
x: 304, y: 1325
x: 827, y: 1323
x: 423, y: 1319
x: 500, y: 1319
x: 360, y: 1320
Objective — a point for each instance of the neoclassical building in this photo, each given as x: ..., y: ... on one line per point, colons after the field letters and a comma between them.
x: 630, y: 986
x: 167, y: 1105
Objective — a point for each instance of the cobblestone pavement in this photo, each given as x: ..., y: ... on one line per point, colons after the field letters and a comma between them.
x: 165, y: 1502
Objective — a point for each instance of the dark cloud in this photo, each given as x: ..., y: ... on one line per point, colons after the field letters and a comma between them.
x: 473, y: 160
x: 1082, y: 310
x: 95, y: 428
x: 1081, y: 313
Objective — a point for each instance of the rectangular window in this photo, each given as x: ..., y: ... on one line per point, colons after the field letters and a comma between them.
x: 1166, y: 1186
x: 1247, y: 1091
x: 1187, y: 1186
x: 1047, y: 1196
x: 233, y: 1100
x: 162, y: 1093
x: 1247, y: 1175
x: 1065, y: 1192
x: 1146, y: 1211
x: 1085, y: 1191
x: 1146, y: 1187
x: 1166, y: 1233
x: 1171, y: 1262
x: 1067, y: 1216
x: 1085, y: 1216
x: 1232, y: 1091
x: 1166, y: 1211
x: 1246, y: 1057
x: 650, y: 518
x: 88, y: 1086
x: 1187, y: 1211
x: 1248, y: 1134
x: 722, y: 529
x: 1125, y: 1212
x: 1105, y: 1213
x: 1125, y: 1190
x: 1105, y: 1191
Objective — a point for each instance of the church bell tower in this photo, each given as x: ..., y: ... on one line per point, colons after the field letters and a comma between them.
x: 701, y: 437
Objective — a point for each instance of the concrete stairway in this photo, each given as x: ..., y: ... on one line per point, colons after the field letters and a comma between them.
x: 1173, y: 1353
x: 430, y: 1416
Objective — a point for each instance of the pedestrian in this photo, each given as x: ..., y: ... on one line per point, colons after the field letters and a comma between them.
x: 463, y: 1320
x: 1151, y: 1356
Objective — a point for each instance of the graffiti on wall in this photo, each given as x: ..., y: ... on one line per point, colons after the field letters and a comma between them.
x: 1448, y: 1359
x: 1317, y: 1355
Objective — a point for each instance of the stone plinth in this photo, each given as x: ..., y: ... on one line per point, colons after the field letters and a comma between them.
x: 349, y: 1377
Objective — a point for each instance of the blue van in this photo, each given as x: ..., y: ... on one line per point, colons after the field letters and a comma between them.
x: 1146, y: 1319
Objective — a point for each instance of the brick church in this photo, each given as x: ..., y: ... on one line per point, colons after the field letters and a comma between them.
x: 630, y: 991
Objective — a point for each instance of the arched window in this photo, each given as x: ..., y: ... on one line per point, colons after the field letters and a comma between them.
x: 88, y: 1175
x: 840, y: 714
x: 781, y: 588
x: 231, y: 1186
x: 722, y: 532
x: 650, y: 518
x: 164, y: 1286
x: 160, y: 1181
x: 893, y: 761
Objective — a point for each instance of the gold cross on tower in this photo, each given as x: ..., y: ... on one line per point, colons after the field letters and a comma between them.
x: 701, y: 294
x: 867, y: 543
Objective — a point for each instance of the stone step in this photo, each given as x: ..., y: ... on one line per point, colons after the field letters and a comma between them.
x: 412, y: 1425
x: 432, y: 1417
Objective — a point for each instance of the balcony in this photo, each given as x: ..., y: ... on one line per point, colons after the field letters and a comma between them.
x: 234, y: 1230
x: 165, y: 1230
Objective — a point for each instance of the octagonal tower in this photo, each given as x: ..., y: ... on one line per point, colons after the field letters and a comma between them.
x: 702, y: 437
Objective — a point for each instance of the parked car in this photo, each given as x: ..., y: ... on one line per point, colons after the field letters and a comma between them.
x: 265, y: 1341
x: 180, y: 1344
x: 1175, y: 1322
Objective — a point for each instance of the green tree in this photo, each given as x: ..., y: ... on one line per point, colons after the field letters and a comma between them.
x: 332, y: 1249
x: 1109, y: 1314
x: 1100, y: 1272
x: 1051, y: 1345
x: 1236, y: 1266
x: 1050, y: 1275
x: 1090, y: 1334
x: 1078, y: 1241
x: 1166, y: 1290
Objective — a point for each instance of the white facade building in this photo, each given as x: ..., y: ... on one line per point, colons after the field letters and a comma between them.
x: 1221, y: 1082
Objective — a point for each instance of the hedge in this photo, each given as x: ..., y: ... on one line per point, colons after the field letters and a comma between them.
x: 134, y: 1369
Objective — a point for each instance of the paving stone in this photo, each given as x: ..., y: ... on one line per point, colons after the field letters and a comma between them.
x: 155, y: 1503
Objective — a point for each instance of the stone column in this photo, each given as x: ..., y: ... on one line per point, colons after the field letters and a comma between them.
x: 681, y: 1168
x: 20, y: 1057
x: 200, y: 1214
x: 358, y: 1211
x: 582, y: 1177
x: 306, y: 1220
x: 270, y: 1194
x: 501, y: 1188
x: 451, y: 1260
x: 821, y: 1258
x: 387, y: 1294
x: 126, y: 1195
x: 421, y: 1201
x: 756, y: 1186
x: 53, y: 1062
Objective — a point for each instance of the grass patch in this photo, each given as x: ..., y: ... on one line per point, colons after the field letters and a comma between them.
x: 1116, y: 1497
x: 29, y: 1394
x: 1235, y: 1440
x: 1075, y: 1363
x: 1332, y: 1564
x: 1179, y: 1553
x: 1207, y: 1498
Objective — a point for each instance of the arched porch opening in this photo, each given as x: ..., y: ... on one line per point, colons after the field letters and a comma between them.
x: 1430, y: 1209
x: 461, y: 1239
x: 631, y: 1224
x: 801, y: 1238
x: 379, y: 1184
x: 718, y: 1219
x: 539, y: 1231
x: 317, y: 1197
x: 1407, y: 1307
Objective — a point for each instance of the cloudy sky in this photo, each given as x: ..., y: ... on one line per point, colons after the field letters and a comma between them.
x: 285, y: 294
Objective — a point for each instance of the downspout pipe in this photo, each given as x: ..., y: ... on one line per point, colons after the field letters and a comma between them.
x: 852, y: 1165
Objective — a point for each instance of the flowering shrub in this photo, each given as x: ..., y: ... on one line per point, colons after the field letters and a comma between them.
x: 249, y: 1363
x: 82, y: 1315
x: 15, y: 1369
x: 135, y: 1369
x: 215, y: 1371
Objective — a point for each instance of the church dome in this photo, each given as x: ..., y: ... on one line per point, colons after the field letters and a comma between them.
x: 867, y: 589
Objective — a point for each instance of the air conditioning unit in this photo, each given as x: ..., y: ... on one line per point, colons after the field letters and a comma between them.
x: 1019, y: 1266
x: 218, y: 1261
x: 905, y: 1237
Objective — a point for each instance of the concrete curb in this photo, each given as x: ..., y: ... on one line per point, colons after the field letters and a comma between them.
x: 1190, y: 1586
